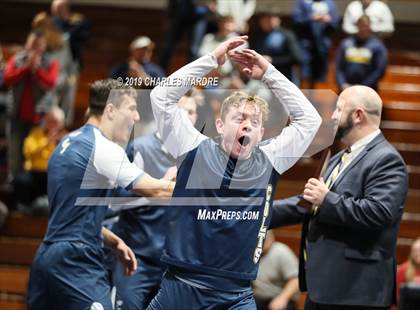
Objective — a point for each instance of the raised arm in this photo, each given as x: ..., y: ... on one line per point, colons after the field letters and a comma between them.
x: 178, y: 134
x: 285, y: 149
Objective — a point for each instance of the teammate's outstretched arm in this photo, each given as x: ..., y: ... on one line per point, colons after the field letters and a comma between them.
x: 178, y: 134
x: 285, y: 149
x: 124, y: 253
x: 111, y: 161
x: 148, y: 186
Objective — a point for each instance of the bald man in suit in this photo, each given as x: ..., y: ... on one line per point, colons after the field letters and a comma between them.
x: 349, y: 236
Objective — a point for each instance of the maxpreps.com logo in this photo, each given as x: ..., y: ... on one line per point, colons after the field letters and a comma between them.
x: 220, y: 215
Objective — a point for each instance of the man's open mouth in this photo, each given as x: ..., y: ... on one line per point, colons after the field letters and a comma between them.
x: 244, y: 140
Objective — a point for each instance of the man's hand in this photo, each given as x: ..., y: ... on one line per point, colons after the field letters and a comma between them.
x: 254, y: 64
x: 325, y: 18
x: 315, y: 191
x: 170, y: 174
x: 124, y: 253
x: 136, y: 70
x: 126, y: 257
x: 278, y: 303
x: 228, y: 45
x: 148, y: 186
x: 33, y: 60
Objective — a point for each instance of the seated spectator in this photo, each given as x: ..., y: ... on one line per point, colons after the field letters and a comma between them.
x: 277, y: 44
x: 277, y: 284
x: 58, y: 47
x: 31, y: 74
x: 76, y: 29
x: 240, y: 10
x: 361, y: 59
x: 315, y: 21
x: 139, y: 63
x: 382, y: 21
x: 37, y: 149
x: 409, y: 271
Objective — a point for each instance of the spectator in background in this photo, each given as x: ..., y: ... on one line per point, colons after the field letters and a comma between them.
x: 2, y: 63
x: 139, y: 66
x: 31, y: 74
x: 409, y: 271
x: 191, y: 17
x: 5, y: 104
x: 382, y: 21
x: 315, y: 21
x: 277, y: 284
x: 361, y: 59
x: 139, y: 63
x: 77, y: 30
x: 75, y: 25
x: 240, y: 10
x: 58, y: 47
x: 38, y: 146
x: 4, y: 212
x: 277, y: 44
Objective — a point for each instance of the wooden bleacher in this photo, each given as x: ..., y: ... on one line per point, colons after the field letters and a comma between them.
x: 19, y: 239
x: 112, y: 31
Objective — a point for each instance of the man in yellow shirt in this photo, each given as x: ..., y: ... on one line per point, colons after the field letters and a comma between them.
x: 37, y: 149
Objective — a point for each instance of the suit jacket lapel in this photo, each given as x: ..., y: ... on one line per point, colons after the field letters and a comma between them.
x: 331, y: 165
x: 362, y: 154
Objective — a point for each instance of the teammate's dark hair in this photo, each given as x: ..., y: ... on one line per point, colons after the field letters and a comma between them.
x: 107, y: 91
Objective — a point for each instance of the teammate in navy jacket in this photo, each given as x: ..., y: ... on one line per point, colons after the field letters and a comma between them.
x: 224, y: 187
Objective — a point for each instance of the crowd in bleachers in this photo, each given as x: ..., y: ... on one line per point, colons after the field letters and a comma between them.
x: 42, y: 79
x: 39, y: 83
x: 45, y: 72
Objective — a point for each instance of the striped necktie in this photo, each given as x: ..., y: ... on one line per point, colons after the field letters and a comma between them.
x: 334, y: 174
x: 330, y: 181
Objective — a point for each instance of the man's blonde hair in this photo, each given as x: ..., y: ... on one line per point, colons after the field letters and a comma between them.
x: 240, y: 98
